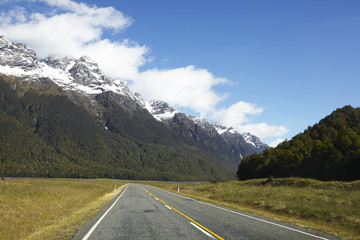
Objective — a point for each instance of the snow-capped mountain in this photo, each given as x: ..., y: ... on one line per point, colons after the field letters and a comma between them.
x: 160, y: 110
x: 163, y: 112
x: 241, y: 140
x: 222, y: 129
x: 71, y: 106
x: 248, y: 137
x: 17, y: 59
x: 84, y: 76
x: 254, y: 140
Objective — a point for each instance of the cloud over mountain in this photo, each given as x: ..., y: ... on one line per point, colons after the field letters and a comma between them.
x: 239, y: 116
x: 187, y: 87
x: 70, y: 28
x: 76, y: 29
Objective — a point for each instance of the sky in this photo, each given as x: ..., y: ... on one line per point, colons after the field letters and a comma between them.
x: 271, y: 68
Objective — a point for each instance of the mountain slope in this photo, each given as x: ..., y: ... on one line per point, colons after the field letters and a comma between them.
x: 244, y: 144
x: 44, y: 134
x: 194, y: 128
x: 255, y: 141
x: 93, y: 120
x: 330, y: 150
x: 91, y: 125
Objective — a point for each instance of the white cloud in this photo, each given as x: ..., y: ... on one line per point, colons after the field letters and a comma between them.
x: 18, y: 14
x: 181, y: 87
x: 75, y: 29
x: 106, y: 17
x: 276, y: 142
x: 236, y: 114
x: 239, y: 115
x: 263, y: 130
x: 118, y: 59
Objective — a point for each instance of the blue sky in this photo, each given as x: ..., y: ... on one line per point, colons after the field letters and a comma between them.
x: 269, y: 67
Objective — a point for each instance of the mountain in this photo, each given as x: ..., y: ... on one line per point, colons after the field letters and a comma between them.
x: 92, y: 125
x: 244, y: 144
x: 80, y: 75
x: 212, y: 137
x: 329, y: 150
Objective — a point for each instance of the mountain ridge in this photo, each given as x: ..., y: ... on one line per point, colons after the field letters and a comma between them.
x: 113, y: 105
x: 44, y: 134
x: 85, y: 76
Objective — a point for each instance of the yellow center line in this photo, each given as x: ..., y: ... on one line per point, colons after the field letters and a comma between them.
x: 192, y: 220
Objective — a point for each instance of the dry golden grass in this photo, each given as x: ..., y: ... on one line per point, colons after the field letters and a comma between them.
x: 50, y: 209
x: 54, y: 209
x: 329, y: 207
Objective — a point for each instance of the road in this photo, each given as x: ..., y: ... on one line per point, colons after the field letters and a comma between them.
x: 144, y: 212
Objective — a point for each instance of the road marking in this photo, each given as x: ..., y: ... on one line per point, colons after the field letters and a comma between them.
x: 198, y: 224
x: 156, y: 198
x: 248, y: 216
x: 102, y: 217
x: 168, y: 207
x: 202, y: 230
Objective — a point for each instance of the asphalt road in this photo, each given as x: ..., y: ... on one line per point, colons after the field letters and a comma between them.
x: 144, y: 212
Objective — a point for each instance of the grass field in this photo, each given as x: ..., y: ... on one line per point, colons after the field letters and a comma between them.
x: 54, y: 209
x: 329, y: 207
x: 50, y: 209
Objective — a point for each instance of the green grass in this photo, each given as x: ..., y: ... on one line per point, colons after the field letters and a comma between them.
x: 50, y: 209
x: 329, y: 207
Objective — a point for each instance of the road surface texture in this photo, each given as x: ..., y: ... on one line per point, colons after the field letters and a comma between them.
x: 144, y: 212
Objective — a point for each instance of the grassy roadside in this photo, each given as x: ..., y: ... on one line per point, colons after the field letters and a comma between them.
x: 51, y: 209
x: 329, y: 207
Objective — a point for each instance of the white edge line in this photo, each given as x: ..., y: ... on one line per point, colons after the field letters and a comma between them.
x: 244, y: 215
x: 168, y: 207
x: 102, y: 217
x: 202, y: 230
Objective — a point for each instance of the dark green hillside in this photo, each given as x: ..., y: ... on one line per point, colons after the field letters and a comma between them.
x: 330, y: 150
x: 194, y: 135
x: 126, y: 118
x: 44, y: 134
x: 123, y: 116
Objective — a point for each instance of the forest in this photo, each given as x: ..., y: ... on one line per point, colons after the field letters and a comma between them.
x: 329, y: 150
x: 44, y: 134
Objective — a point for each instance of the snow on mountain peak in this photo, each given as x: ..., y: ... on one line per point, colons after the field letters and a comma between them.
x: 83, y: 74
x: 202, y: 122
x: 17, y: 56
x: 4, y: 41
x: 63, y: 63
x: 254, y: 141
x: 248, y: 137
x: 221, y: 129
x: 160, y: 110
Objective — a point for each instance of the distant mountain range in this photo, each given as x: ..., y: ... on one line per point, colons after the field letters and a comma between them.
x: 63, y: 117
